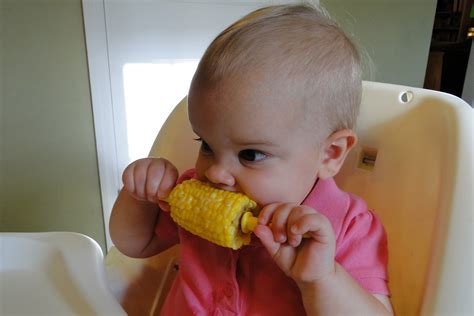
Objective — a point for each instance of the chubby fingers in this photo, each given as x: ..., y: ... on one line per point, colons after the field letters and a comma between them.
x: 276, y: 214
x: 299, y: 214
x: 150, y: 179
x: 308, y: 221
x: 289, y: 222
x: 168, y: 181
x: 134, y: 178
x: 265, y: 234
x: 280, y: 217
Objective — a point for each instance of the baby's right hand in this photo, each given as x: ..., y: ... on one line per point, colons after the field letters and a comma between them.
x: 150, y: 179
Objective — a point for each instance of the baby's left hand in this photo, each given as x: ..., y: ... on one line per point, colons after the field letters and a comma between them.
x: 303, y: 259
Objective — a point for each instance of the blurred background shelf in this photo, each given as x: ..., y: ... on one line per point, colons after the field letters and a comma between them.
x: 450, y: 46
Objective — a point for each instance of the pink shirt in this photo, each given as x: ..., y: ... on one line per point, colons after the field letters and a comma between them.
x: 214, y: 280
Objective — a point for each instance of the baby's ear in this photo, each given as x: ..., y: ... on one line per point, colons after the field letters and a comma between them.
x: 335, y: 150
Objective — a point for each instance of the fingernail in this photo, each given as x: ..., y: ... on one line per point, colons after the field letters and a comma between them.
x: 281, y: 238
x: 294, y: 229
x: 293, y: 242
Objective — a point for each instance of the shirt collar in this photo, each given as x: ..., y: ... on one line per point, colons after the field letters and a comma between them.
x: 327, y: 199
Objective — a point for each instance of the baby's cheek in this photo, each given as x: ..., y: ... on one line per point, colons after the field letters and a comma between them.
x: 265, y: 193
x: 288, y: 193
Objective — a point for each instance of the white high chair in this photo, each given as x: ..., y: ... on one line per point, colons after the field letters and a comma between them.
x: 53, y: 273
x: 413, y: 165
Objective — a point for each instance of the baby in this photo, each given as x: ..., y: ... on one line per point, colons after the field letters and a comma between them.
x: 273, y: 102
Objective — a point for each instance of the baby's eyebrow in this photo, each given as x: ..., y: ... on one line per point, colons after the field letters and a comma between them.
x: 255, y: 143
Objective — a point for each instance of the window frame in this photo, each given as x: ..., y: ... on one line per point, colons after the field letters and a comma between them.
x: 95, y: 32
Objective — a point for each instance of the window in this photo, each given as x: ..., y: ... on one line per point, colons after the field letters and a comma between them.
x: 142, y: 55
x: 151, y: 92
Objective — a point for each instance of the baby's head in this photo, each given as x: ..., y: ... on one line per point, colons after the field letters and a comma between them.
x: 274, y: 100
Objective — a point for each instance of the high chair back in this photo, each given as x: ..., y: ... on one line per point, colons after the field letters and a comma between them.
x: 413, y: 167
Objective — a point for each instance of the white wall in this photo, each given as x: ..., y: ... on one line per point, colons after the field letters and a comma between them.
x: 49, y: 177
x: 395, y: 33
x: 468, y: 90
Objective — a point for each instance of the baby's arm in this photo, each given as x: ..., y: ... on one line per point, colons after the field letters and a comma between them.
x: 137, y: 209
x: 340, y: 294
x: 326, y: 288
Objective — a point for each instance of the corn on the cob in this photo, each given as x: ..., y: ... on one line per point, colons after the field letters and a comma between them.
x: 213, y: 214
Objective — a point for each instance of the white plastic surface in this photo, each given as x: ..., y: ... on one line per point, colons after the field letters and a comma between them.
x: 53, y: 274
x: 141, y: 285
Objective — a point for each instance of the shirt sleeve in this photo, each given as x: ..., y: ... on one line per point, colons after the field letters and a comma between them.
x: 165, y: 227
x: 362, y: 251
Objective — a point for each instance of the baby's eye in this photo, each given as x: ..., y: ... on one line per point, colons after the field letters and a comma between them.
x: 252, y: 155
x: 204, y: 146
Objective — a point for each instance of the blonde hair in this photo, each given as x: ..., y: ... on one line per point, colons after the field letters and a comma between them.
x: 302, y: 44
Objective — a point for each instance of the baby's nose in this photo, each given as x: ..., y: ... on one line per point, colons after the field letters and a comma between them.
x: 220, y: 176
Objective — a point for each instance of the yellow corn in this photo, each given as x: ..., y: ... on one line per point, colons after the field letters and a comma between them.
x: 213, y: 214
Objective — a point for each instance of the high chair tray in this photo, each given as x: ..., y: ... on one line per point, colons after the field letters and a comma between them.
x: 53, y: 274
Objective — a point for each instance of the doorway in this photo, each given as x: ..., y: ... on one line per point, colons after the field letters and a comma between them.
x: 450, y: 47
x: 142, y: 56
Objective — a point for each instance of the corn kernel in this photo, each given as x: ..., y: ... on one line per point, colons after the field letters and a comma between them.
x: 211, y: 213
